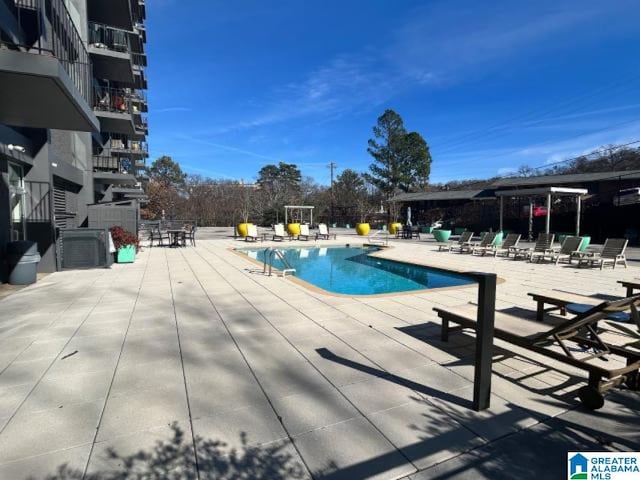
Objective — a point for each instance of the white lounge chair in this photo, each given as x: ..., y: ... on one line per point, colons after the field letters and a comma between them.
x: 482, y: 245
x: 508, y: 246
x: 612, y: 252
x: 544, y: 244
x: 304, y: 232
x: 465, y: 239
x: 323, y: 232
x: 252, y: 234
x: 567, y: 251
x: 278, y: 232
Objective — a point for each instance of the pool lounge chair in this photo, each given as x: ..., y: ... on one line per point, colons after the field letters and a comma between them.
x: 482, y: 246
x: 508, y: 246
x: 279, y: 233
x: 544, y: 244
x: 465, y: 239
x: 612, y: 253
x: 323, y: 232
x: 304, y: 232
x: 567, y: 302
x: 558, y: 341
x: 567, y: 251
x: 252, y: 234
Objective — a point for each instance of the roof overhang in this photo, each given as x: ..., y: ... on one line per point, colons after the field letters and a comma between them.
x: 115, y: 13
x: 36, y: 92
x: 537, y: 192
x: 111, y: 65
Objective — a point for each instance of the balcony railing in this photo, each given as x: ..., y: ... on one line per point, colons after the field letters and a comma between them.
x: 55, y: 34
x: 103, y: 36
x: 102, y: 163
x: 112, y: 100
x: 121, y: 144
x: 141, y: 124
x: 139, y: 59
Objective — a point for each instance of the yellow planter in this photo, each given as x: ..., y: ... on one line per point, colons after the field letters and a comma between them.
x: 293, y: 229
x: 394, y: 227
x: 243, y: 229
x: 363, y: 229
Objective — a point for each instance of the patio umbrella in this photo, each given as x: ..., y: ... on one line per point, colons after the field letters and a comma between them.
x: 409, y: 216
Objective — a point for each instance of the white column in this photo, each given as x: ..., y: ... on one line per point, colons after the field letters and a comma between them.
x: 578, y: 209
x: 548, y: 226
x: 530, y: 219
x: 501, y: 211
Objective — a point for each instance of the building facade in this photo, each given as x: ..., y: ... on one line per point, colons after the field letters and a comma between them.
x: 72, y: 114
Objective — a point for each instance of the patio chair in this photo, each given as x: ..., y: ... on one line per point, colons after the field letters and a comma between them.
x: 252, y: 234
x: 612, y: 252
x: 323, y: 232
x: 304, y: 232
x: 161, y: 236
x: 279, y: 233
x: 509, y: 244
x: 567, y: 251
x: 558, y: 341
x: 465, y: 239
x: 544, y: 244
x: 482, y: 246
x: 190, y: 235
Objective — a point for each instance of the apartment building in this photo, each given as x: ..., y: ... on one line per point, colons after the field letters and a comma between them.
x: 72, y: 114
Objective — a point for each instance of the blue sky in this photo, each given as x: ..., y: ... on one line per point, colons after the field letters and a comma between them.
x: 235, y: 85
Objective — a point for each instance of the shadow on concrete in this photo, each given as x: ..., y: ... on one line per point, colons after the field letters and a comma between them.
x: 174, y: 459
x: 390, y: 377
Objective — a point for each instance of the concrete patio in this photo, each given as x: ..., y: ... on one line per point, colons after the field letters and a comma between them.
x: 192, y: 364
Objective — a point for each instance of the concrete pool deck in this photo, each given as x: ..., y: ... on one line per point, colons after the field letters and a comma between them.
x: 165, y: 366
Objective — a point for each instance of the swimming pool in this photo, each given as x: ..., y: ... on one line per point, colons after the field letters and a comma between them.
x: 352, y: 271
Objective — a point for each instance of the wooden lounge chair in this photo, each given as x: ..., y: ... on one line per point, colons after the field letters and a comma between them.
x: 559, y: 340
x: 323, y: 232
x: 509, y: 244
x: 252, y: 234
x: 544, y: 244
x: 481, y: 247
x: 465, y: 239
x: 279, y: 233
x: 304, y: 233
x: 568, y: 251
x: 612, y: 252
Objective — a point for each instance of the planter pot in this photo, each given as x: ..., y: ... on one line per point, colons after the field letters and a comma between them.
x: 499, y: 238
x: 427, y: 229
x: 363, y: 229
x: 586, y: 240
x: 293, y: 229
x: 442, y: 235
x: 394, y: 227
x: 243, y: 229
x: 126, y: 254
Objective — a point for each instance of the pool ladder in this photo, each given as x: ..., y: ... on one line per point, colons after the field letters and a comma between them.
x: 269, y: 254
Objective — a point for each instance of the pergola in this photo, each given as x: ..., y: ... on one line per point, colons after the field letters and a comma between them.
x: 301, y: 208
x: 549, y: 193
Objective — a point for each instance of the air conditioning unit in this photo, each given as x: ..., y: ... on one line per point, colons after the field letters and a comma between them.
x: 83, y: 248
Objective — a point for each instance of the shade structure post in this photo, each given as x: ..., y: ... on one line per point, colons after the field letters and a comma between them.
x: 530, y: 219
x: 484, y: 340
x: 285, y: 215
x: 548, y: 224
x: 578, y: 209
x: 501, y: 212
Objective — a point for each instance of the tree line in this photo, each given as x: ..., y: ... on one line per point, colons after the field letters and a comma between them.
x: 401, y: 163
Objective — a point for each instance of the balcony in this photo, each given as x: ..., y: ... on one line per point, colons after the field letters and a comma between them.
x: 115, y: 13
x: 113, y: 108
x: 45, y: 69
x: 113, y: 171
x: 120, y: 145
x: 110, y: 52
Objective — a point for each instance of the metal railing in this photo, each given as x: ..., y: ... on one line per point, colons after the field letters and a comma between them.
x: 120, y: 143
x: 269, y: 256
x: 139, y: 59
x: 103, y: 36
x: 55, y: 34
x: 142, y: 124
x: 108, y: 99
x: 103, y: 163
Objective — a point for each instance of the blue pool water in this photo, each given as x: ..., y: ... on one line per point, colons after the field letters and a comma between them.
x: 352, y: 271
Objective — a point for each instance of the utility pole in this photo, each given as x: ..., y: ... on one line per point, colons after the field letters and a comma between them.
x: 332, y: 167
